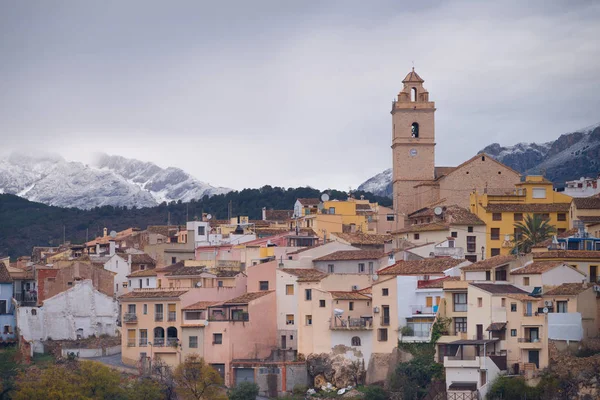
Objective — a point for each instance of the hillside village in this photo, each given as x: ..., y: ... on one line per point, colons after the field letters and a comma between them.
x: 498, y: 271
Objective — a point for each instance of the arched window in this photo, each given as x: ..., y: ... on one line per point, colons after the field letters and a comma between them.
x: 355, y: 341
x: 413, y: 94
x: 414, y: 130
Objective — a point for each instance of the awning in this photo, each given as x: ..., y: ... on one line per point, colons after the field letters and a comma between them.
x: 474, y: 342
x: 496, y: 326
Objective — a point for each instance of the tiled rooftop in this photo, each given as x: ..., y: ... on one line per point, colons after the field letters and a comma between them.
x: 149, y: 294
x: 569, y: 289
x: 344, y: 255
x: 537, y: 267
x: 427, y: 266
x: 489, y: 263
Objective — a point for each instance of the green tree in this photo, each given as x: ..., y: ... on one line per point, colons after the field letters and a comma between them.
x: 244, y: 391
x: 533, y: 230
x: 197, y: 380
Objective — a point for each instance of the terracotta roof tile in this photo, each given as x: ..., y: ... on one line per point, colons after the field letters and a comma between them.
x: 499, y: 288
x: 489, y: 263
x: 248, y: 297
x: 568, y: 254
x: 522, y: 297
x: 562, y: 235
x: 587, y: 203
x: 141, y: 259
x: 537, y: 267
x: 413, y: 77
x: 361, y: 206
x: 305, y: 274
x: 589, y: 219
x: 309, y: 202
x: 141, y: 273
x: 360, y: 238
x: 344, y: 255
x: 201, y: 305
x: 225, y: 273
x: 349, y: 296
x: 148, y: 294
x: 496, y: 326
x: 436, y: 283
x: 4, y: 275
x: 427, y: 266
x: 569, y: 289
x: 434, y: 226
x: 188, y: 271
x: 527, y: 208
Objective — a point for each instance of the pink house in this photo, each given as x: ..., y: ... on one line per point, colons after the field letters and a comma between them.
x: 240, y: 329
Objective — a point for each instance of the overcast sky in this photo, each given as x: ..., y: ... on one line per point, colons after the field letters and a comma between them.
x: 290, y: 93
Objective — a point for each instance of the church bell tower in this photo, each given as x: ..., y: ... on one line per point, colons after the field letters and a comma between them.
x: 413, y: 144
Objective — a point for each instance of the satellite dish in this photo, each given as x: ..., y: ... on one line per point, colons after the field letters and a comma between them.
x: 113, y: 234
x: 337, y: 312
x: 198, y: 284
x: 324, y: 197
x: 375, y: 277
x: 545, y: 310
x: 438, y: 211
x: 208, y: 217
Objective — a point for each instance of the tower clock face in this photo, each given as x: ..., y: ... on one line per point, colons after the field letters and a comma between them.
x: 413, y: 152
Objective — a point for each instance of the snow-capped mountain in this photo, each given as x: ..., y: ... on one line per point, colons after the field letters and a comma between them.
x: 110, y: 180
x: 569, y: 157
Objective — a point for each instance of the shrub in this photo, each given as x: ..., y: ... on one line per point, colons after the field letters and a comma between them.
x: 375, y: 393
x: 407, y: 331
x: 299, y: 389
x: 244, y: 391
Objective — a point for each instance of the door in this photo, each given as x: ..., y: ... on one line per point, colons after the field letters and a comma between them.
x: 479, y: 332
x: 244, y: 375
x: 534, y: 357
x: 284, y: 341
x: 593, y: 273
x: 534, y: 335
x: 529, y: 308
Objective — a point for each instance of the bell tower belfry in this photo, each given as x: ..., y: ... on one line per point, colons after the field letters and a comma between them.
x: 413, y: 144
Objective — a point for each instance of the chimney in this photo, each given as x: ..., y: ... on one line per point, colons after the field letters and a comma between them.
x: 129, y: 261
x: 264, y: 213
x: 111, y: 247
x: 97, y: 248
x: 391, y: 259
x: 105, y: 232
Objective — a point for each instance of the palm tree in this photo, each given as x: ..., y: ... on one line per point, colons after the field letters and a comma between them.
x: 533, y: 230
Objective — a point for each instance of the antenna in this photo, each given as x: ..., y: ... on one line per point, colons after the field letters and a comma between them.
x: 438, y: 211
x: 208, y: 217
x: 113, y: 234
x: 324, y: 197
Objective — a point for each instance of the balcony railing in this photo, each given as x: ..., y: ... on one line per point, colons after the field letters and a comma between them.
x: 352, y: 323
x: 172, y: 316
x: 385, y: 321
x: 172, y: 342
x: 143, y: 342
x: 130, y: 318
x: 158, y: 317
x: 25, y: 298
x: 158, y: 342
x: 244, y: 317
x: 130, y: 342
x: 420, y: 309
x: 530, y: 339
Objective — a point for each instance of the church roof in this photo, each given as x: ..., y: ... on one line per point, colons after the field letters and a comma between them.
x: 413, y: 77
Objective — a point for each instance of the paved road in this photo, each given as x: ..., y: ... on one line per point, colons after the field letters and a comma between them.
x: 114, y: 361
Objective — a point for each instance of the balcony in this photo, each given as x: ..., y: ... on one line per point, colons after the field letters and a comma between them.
x: 158, y: 317
x: 172, y: 316
x: 130, y: 318
x: 464, y: 362
x: 533, y: 319
x: 361, y: 323
x: 243, y: 317
x: 143, y: 343
x: 26, y: 299
x: 423, y: 310
x: 530, y: 343
x: 130, y: 342
x: 165, y: 346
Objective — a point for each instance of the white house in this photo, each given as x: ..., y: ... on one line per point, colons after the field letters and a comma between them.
x: 78, y: 312
x: 143, y: 279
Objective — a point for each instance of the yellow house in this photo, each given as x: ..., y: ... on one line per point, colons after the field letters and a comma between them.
x: 587, y: 262
x: 586, y: 210
x: 500, y: 211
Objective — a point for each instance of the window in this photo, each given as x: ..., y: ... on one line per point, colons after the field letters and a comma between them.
x: 371, y: 267
x: 513, y: 332
x: 131, y: 308
x: 460, y: 302
x: 148, y: 282
x: 193, y: 342
x: 331, y: 210
x: 561, y: 217
x: 517, y: 233
x: 513, y: 307
x: 351, y: 306
x: 544, y: 216
x: 289, y: 319
x: 173, y: 260
x: 307, y: 294
x: 217, y: 338
x: 33, y: 311
x: 454, y: 234
x: 289, y: 290
x: 321, y: 303
x: 488, y: 275
x: 495, y: 233
x: 201, y: 231
x: 330, y: 268
x: 355, y: 341
x: 417, y: 236
x: 471, y: 244
x: 361, y: 267
x: 143, y: 337
x: 193, y: 315
x: 539, y: 193
x: 460, y: 324
x: 71, y: 284
x: 128, y: 282
x: 479, y: 302
x: 263, y: 285
x: 8, y: 330
x: 3, y: 304
x: 131, y: 338
x: 503, y: 302
x: 219, y: 283
x: 470, y: 229
x: 389, y: 217
x: 471, y: 258
x: 561, y: 307
x: 308, y: 319
x: 495, y: 252
x: 385, y: 292
x: 518, y: 216
x: 382, y: 334
x: 496, y: 216
x: 414, y: 128
x: 525, y: 281
x: 158, y: 312
x: 428, y: 301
